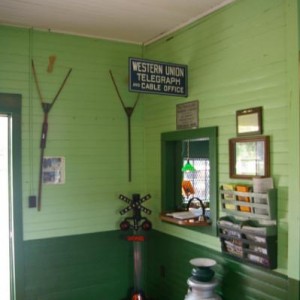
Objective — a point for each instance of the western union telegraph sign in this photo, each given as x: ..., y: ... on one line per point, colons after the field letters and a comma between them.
x: 156, y: 77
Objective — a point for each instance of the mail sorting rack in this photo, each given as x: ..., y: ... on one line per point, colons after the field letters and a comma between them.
x: 251, y: 235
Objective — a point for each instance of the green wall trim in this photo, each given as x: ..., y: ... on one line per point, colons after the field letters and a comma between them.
x: 80, y: 267
x: 293, y: 289
x: 294, y: 134
x: 100, y: 266
x: 11, y: 104
x: 168, y: 269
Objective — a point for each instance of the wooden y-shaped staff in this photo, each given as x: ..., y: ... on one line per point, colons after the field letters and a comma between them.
x: 46, y: 109
x: 129, y: 111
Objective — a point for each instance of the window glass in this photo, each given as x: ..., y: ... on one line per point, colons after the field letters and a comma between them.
x: 196, y: 184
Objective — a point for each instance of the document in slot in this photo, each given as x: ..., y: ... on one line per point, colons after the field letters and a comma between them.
x: 185, y: 214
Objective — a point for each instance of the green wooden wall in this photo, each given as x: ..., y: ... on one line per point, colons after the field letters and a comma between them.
x: 169, y: 268
x: 100, y: 266
x: 79, y: 267
x: 244, y: 55
x: 87, y: 126
x: 240, y: 57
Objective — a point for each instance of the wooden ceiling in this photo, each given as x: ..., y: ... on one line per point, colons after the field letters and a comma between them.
x: 139, y: 21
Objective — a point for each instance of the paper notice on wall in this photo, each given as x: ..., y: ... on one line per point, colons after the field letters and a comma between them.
x: 53, y: 170
x: 262, y: 185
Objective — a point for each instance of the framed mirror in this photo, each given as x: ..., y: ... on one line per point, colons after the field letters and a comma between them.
x: 249, y: 121
x: 249, y: 157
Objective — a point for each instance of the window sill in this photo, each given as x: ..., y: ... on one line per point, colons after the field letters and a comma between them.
x: 188, y: 222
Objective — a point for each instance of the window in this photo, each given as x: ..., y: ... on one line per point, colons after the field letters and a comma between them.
x: 203, y: 155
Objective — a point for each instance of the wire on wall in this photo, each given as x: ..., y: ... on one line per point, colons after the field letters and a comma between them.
x: 30, y: 111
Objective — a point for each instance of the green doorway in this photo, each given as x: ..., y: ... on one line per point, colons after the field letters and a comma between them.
x: 11, y: 232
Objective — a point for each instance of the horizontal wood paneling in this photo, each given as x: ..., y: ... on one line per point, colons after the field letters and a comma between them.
x: 100, y: 266
x: 236, y: 59
x: 169, y: 268
x: 87, y: 125
x: 79, y: 267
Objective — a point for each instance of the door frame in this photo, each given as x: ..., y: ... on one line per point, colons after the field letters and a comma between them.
x: 11, y: 104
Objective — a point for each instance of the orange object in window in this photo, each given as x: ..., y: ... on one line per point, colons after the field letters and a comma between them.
x: 137, y: 297
x: 187, y: 188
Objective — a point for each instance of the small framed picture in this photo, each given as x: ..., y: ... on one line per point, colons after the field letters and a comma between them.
x: 54, y: 170
x: 249, y: 157
x: 249, y: 121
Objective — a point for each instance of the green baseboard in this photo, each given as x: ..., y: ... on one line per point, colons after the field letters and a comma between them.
x: 100, y: 266
x: 82, y: 267
x: 168, y: 269
x: 293, y: 289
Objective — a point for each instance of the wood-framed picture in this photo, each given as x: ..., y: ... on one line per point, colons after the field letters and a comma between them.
x: 249, y: 157
x: 249, y: 121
